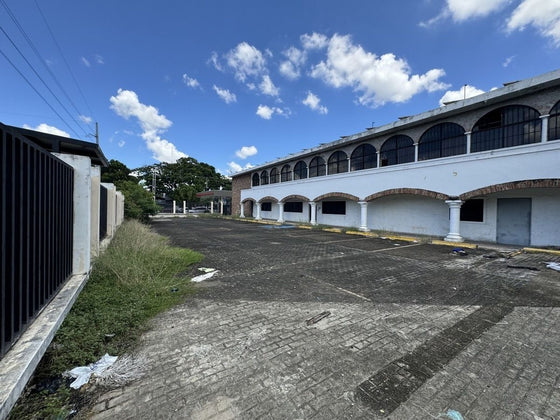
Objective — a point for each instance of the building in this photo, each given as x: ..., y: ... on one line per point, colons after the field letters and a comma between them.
x: 486, y: 168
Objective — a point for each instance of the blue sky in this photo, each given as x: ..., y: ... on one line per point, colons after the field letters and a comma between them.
x: 239, y: 83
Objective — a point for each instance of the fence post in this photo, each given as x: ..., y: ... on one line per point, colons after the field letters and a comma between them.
x: 95, y: 193
x: 111, y: 216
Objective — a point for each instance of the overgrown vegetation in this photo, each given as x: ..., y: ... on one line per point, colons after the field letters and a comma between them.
x: 137, y: 277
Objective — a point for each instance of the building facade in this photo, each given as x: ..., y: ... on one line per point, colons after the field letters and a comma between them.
x: 485, y: 168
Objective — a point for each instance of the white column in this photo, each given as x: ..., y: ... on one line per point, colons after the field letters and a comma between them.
x: 212, y: 207
x: 258, y: 205
x: 468, y: 134
x: 454, y: 234
x: 363, y: 216
x: 222, y: 206
x: 184, y: 207
x: 544, y: 128
x: 349, y: 164
x: 313, y: 220
x: 174, y: 207
x: 111, y: 217
x: 95, y: 197
x: 280, y: 212
x: 242, y: 210
x: 378, y: 153
x: 415, y: 152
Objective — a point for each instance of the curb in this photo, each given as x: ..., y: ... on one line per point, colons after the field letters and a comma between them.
x: 455, y: 244
x: 544, y: 250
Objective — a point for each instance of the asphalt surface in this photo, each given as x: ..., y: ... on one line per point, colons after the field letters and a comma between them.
x: 307, y: 324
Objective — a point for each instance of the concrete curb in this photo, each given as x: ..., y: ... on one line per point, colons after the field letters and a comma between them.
x: 543, y: 250
x: 454, y: 244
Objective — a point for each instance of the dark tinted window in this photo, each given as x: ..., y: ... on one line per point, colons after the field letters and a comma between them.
x: 554, y: 123
x: 274, y: 178
x: 266, y: 206
x: 300, y: 170
x: 445, y: 139
x: 317, y: 167
x: 472, y: 211
x: 264, y: 177
x: 363, y: 157
x: 397, y: 149
x: 338, y: 163
x: 293, y: 207
x: 286, y: 173
x: 333, y: 207
x: 256, y: 180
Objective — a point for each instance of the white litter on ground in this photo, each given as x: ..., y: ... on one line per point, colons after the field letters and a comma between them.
x: 206, y: 269
x: 202, y: 277
x: 553, y: 265
x: 127, y: 369
x: 83, y: 373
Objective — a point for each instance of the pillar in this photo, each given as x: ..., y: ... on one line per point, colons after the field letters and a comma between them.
x: 184, y: 207
x: 454, y: 234
x: 242, y: 210
x: 544, y: 128
x: 313, y: 220
x: 258, y: 216
x: 95, y: 197
x: 378, y: 153
x: 174, y: 207
x: 212, y: 207
x: 349, y: 164
x: 222, y: 206
x: 280, y: 212
x: 415, y: 152
x: 468, y: 134
x: 363, y: 216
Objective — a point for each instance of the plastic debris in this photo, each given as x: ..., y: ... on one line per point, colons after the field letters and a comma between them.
x: 206, y: 269
x: 454, y: 415
x: 523, y: 267
x: 553, y: 265
x: 82, y: 374
x: 317, y: 318
x: 459, y: 251
x: 210, y: 272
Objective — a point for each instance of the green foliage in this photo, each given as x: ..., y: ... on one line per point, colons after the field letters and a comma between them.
x: 116, y: 171
x: 138, y: 202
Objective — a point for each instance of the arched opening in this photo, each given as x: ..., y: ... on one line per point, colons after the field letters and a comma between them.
x: 274, y: 178
x: 363, y: 157
x: 554, y: 123
x: 264, y: 177
x: 338, y: 163
x: 300, y: 170
x: 256, y: 180
x: 397, y: 149
x: 317, y: 167
x: 508, y: 126
x: 286, y: 173
x: 441, y: 140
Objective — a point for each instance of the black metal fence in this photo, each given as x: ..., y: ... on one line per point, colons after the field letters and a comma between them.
x: 36, y: 212
x: 102, y: 212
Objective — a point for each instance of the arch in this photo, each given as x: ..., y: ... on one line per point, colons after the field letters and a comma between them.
x: 337, y: 194
x: 554, y: 122
x: 442, y: 140
x: 286, y: 173
x: 247, y: 200
x: 508, y: 126
x: 294, y: 197
x: 338, y: 163
x: 363, y: 157
x: 256, y: 180
x: 274, y: 177
x: 268, y: 198
x: 264, y: 177
x: 300, y: 170
x: 397, y: 149
x: 409, y: 191
x: 317, y: 167
x: 515, y: 185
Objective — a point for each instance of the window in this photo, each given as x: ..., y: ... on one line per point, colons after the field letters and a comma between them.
x: 472, y: 211
x: 264, y: 177
x: 266, y: 206
x: 293, y: 207
x: 338, y: 163
x: 506, y: 127
x: 317, y: 167
x: 300, y: 170
x: 274, y: 178
x: 445, y: 139
x: 256, y: 180
x: 554, y: 123
x: 286, y: 173
x: 333, y: 207
x: 363, y: 157
x: 397, y: 149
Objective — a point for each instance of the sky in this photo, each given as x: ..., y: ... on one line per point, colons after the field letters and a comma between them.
x: 239, y: 83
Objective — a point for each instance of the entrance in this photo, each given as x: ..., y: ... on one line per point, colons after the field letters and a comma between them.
x: 514, y: 221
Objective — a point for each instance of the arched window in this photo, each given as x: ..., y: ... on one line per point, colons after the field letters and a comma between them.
x: 286, y: 173
x: 363, y: 157
x: 300, y: 170
x: 317, y: 167
x: 264, y: 177
x: 397, y: 149
x: 554, y: 123
x: 256, y: 180
x: 274, y: 176
x: 445, y: 139
x: 506, y: 127
x: 338, y: 163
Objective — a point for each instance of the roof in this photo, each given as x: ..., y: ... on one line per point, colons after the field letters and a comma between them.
x: 215, y: 193
x: 60, y: 144
x: 510, y: 90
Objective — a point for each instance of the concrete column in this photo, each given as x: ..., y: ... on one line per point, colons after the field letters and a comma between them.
x: 95, y: 197
x: 81, y: 253
x: 258, y: 216
x: 544, y: 127
x: 308, y: 172
x: 174, y: 207
x: 222, y: 206
x: 363, y: 216
x: 378, y: 153
x: 212, y: 207
x: 313, y: 220
x: 454, y: 234
x: 184, y: 207
x: 415, y: 152
x: 468, y: 134
x: 349, y: 164
x: 242, y: 210
x: 120, y: 208
x: 280, y: 212
x: 111, y: 193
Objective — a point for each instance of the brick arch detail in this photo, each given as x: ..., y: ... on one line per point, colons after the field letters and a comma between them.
x: 248, y: 199
x: 337, y: 194
x: 294, y: 197
x: 409, y: 191
x: 268, y: 198
x: 515, y: 185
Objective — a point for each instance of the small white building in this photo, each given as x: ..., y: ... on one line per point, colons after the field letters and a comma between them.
x: 485, y: 168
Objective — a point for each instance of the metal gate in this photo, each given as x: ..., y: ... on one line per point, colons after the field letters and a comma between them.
x: 514, y: 221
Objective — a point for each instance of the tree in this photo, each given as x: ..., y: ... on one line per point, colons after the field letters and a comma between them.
x: 116, y: 171
x: 138, y: 203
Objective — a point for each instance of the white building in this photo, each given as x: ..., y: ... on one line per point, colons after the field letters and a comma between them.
x: 484, y: 169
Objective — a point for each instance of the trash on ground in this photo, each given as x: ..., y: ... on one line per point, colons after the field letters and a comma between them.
x: 523, y: 267
x: 83, y: 373
x: 553, y: 265
x: 454, y: 415
x: 206, y: 276
x: 459, y: 251
x: 503, y: 254
x: 206, y: 269
x: 317, y: 318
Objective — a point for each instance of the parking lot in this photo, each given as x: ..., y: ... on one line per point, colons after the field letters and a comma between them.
x: 308, y: 324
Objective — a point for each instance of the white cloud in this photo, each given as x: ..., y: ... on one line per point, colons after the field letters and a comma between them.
x: 267, y: 87
x: 466, y: 91
x: 544, y: 15
x: 85, y: 119
x: 85, y: 62
x: 246, y: 61
x: 153, y: 124
x: 225, y: 94
x: 312, y: 101
x: 378, y: 79
x: 265, y: 112
x: 99, y: 59
x: 121, y: 143
x: 461, y: 10
x: 508, y: 61
x: 314, y: 41
x: 290, y: 68
x: 246, y: 151
x: 214, y: 60
x: 190, y: 82
x: 236, y: 167
x: 49, y: 129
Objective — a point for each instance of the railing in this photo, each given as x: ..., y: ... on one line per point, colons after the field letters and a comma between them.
x: 36, y: 219
x: 102, y: 212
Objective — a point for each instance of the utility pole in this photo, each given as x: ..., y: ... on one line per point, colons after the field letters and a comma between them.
x: 154, y: 182
x: 96, y: 133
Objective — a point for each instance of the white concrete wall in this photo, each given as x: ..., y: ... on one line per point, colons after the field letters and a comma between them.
x: 95, y: 197
x: 111, y: 208
x: 545, y: 228
x: 484, y: 231
x: 350, y: 219
x: 302, y: 217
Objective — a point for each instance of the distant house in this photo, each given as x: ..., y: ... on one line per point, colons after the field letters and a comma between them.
x: 485, y: 168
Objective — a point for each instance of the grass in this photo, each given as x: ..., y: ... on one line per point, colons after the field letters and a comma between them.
x: 137, y: 277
